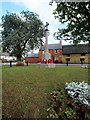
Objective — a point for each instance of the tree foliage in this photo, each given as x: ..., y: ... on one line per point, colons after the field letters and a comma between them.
x: 0, y: 51
x: 22, y: 32
x: 77, y: 17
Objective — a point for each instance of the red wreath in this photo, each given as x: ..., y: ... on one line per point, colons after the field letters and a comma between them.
x: 50, y: 61
x: 44, y: 61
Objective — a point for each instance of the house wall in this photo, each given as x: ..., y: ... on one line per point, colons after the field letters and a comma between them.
x: 88, y: 58
x: 8, y: 58
x: 53, y: 55
x: 32, y: 60
x: 75, y: 58
x: 40, y: 54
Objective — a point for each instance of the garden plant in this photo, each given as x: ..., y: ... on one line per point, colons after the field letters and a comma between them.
x: 70, y: 103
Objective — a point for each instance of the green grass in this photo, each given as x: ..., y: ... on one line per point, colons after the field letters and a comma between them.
x: 25, y: 90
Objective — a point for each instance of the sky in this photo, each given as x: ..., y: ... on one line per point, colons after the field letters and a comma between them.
x: 40, y: 7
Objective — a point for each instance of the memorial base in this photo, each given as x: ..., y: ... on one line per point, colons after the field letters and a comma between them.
x: 39, y: 65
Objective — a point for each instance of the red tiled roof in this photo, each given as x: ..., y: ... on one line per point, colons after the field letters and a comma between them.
x: 5, y: 54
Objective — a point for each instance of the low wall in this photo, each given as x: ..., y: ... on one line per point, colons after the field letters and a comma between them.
x: 31, y: 60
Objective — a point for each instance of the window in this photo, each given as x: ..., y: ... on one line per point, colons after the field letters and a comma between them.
x: 56, y: 51
x: 83, y: 54
x: 60, y: 56
x: 68, y: 59
x: 68, y: 55
x: 56, y: 58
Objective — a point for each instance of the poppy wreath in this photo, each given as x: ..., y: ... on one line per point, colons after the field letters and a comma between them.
x: 44, y: 61
x: 49, y: 60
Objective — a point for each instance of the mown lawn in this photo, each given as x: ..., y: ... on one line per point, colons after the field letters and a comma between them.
x: 25, y: 90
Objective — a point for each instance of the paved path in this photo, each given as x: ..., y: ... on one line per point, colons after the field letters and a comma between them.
x: 36, y: 64
x: 7, y: 63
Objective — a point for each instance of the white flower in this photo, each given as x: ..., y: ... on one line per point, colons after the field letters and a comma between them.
x: 79, y: 91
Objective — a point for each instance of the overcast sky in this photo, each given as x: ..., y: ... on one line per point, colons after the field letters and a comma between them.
x: 40, y: 7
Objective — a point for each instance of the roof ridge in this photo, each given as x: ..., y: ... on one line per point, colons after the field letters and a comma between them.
x: 75, y: 45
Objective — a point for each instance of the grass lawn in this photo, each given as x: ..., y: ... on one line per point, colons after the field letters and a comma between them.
x: 25, y: 90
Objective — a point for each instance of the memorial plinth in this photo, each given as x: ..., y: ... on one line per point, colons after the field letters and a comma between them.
x: 40, y: 65
x: 46, y: 55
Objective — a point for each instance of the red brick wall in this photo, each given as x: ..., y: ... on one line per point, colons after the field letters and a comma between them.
x: 32, y: 60
x: 40, y: 54
x: 53, y: 55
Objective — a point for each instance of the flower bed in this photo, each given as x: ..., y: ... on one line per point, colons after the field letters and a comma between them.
x: 80, y: 92
x: 63, y: 107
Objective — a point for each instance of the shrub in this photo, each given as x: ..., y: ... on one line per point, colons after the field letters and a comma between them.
x: 4, y: 60
x: 79, y: 92
x: 22, y: 59
x: 63, y: 107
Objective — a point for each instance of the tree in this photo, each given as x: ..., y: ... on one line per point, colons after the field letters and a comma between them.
x: 77, y: 17
x: 0, y: 43
x: 0, y: 51
x: 22, y: 32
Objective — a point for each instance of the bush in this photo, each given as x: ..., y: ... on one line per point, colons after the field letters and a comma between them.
x: 22, y: 59
x: 63, y: 107
x: 4, y: 61
x: 79, y: 92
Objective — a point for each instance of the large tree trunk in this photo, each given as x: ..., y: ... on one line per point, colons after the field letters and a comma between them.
x: 19, y: 57
x: 19, y: 62
x: 89, y: 42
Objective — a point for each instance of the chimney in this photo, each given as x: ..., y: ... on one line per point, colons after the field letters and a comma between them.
x: 60, y: 42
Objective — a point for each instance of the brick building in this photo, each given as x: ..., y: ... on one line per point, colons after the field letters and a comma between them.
x: 61, y: 53
x: 54, y: 49
x: 32, y: 58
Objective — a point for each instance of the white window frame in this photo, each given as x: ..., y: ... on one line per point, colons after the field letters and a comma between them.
x: 56, y: 58
x: 60, y: 56
x: 56, y: 52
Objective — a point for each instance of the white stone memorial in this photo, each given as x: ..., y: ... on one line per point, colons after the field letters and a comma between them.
x: 46, y: 54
